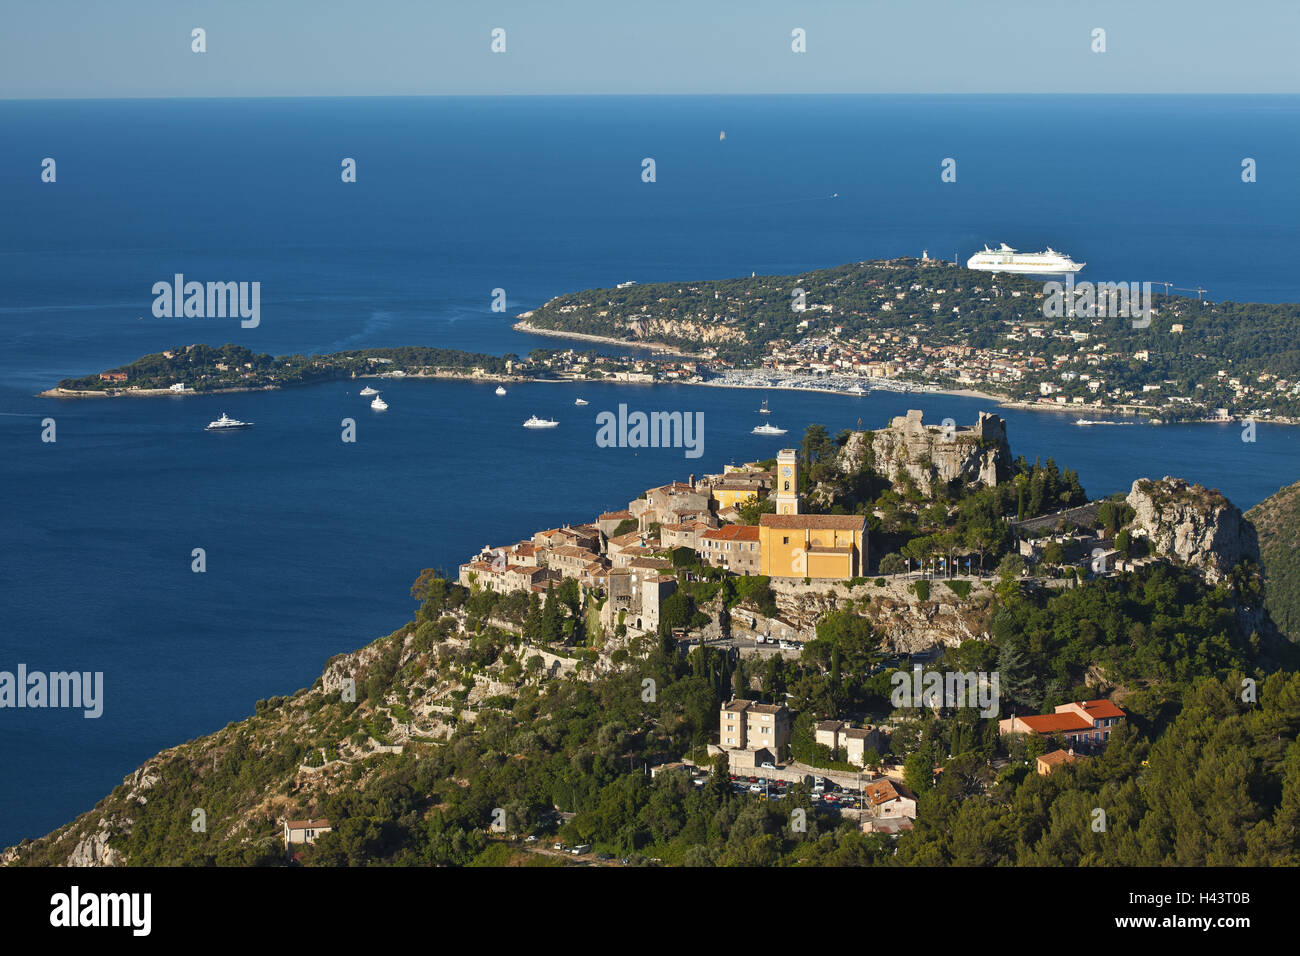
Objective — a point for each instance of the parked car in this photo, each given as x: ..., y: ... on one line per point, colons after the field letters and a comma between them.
x: 755, y: 788
x: 580, y: 849
x: 768, y: 765
x: 558, y: 846
x: 530, y: 838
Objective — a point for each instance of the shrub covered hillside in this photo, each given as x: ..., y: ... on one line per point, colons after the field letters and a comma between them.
x: 1277, y: 519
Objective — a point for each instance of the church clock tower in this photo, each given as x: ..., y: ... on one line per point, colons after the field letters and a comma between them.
x: 787, y: 482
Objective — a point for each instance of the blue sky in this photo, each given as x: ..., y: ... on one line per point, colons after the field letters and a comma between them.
x: 141, y: 48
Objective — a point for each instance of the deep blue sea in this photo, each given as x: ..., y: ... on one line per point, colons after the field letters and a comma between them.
x: 312, y: 543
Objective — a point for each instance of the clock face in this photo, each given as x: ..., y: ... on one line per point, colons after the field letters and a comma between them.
x: 786, y: 471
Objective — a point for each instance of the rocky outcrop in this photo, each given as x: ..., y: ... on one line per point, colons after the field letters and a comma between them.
x: 856, y: 453
x: 1277, y: 520
x: 95, y: 851
x: 1192, y: 525
x: 933, y: 455
x: 906, y: 624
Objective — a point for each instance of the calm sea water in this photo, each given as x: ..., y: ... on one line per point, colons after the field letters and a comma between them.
x: 312, y: 543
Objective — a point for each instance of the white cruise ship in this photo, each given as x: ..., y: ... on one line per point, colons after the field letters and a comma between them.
x: 535, y: 422
x: 766, y: 429
x: 1006, y: 259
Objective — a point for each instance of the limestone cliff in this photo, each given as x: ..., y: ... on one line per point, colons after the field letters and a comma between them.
x: 1277, y: 519
x: 933, y: 455
x: 1192, y: 525
x: 907, y: 624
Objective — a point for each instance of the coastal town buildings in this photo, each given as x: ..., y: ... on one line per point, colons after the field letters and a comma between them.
x: 753, y: 734
x: 1082, y: 724
x: 304, y: 832
x: 735, y: 547
x: 818, y: 547
x: 852, y: 743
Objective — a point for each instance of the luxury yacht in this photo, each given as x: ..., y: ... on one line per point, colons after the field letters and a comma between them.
x: 536, y: 422
x: 225, y: 422
x: 379, y: 404
x: 766, y: 429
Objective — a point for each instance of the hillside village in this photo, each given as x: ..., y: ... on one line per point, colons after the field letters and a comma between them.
x: 732, y: 637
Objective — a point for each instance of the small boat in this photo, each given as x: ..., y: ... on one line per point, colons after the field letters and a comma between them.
x: 379, y: 404
x: 766, y: 429
x: 535, y: 422
x: 765, y: 410
x: 580, y: 401
x: 501, y: 389
x: 368, y: 391
x: 226, y: 422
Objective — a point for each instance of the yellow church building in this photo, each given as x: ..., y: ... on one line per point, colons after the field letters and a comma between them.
x: 820, y: 547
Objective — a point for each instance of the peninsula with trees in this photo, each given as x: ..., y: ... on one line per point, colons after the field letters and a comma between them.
x: 901, y: 324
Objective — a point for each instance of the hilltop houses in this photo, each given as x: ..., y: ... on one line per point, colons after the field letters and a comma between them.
x: 1083, y: 724
x: 752, y: 734
x: 734, y: 547
x: 854, y: 742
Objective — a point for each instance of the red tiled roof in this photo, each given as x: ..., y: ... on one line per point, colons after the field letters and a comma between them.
x: 734, y: 532
x: 1098, y: 709
x: 815, y: 522
x: 1051, y: 723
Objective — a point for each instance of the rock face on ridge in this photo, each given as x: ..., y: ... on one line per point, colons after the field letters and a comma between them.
x: 1277, y: 519
x: 1192, y: 525
x: 933, y: 455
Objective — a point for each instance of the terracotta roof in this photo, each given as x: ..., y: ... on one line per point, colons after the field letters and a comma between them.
x: 1058, y: 757
x: 307, y: 824
x: 1098, y: 709
x: 572, y: 551
x: 1051, y: 723
x: 623, y: 540
x: 882, y: 791
x: 734, y: 532
x: 815, y: 522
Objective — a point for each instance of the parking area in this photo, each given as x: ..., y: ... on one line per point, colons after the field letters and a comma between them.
x: 823, y: 790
